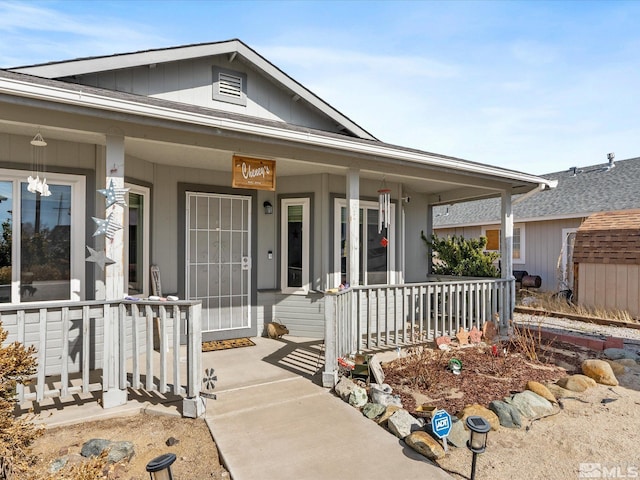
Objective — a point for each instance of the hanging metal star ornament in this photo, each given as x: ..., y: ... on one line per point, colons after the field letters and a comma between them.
x: 99, y: 258
x: 107, y: 227
x: 114, y: 195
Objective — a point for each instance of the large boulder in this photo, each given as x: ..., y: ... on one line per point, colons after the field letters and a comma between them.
x: 358, y: 397
x: 382, y: 394
x: 530, y: 404
x: 540, y: 389
x: 617, y: 367
x: 373, y: 410
x: 390, y: 410
x: 617, y: 353
x: 424, y: 444
x: 480, y: 411
x: 344, y: 387
x: 508, y: 415
x: 401, y: 424
x: 577, y: 382
x: 600, y: 371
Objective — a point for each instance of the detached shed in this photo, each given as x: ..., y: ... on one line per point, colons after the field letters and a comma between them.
x: 606, y: 260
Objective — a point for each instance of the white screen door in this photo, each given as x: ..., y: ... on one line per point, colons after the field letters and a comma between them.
x: 218, y: 261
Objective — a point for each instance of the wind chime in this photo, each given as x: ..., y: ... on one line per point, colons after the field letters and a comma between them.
x: 35, y: 184
x: 384, y: 211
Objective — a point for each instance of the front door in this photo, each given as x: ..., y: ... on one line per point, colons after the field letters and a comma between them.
x: 218, y: 262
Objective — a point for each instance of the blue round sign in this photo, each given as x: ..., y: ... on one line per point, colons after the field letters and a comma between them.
x: 441, y: 423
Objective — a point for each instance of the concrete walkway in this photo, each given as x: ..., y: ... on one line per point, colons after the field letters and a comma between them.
x: 272, y: 420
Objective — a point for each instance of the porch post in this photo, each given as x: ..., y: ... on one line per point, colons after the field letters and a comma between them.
x: 506, y: 256
x: 330, y: 373
x: 428, y: 234
x: 112, y: 395
x: 353, y: 227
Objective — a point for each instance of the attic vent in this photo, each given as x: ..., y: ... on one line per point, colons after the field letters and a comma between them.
x: 230, y: 85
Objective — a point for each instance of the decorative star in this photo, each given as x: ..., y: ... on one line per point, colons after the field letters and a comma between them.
x: 114, y: 195
x: 99, y: 258
x: 107, y: 227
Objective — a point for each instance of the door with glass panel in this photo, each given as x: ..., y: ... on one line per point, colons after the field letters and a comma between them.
x: 218, y: 262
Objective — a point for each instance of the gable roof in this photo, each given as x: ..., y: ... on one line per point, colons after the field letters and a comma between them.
x: 596, y: 188
x: 235, y: 49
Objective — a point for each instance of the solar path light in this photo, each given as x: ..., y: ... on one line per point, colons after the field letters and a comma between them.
x: 479, y: 429
x: 160, y: 467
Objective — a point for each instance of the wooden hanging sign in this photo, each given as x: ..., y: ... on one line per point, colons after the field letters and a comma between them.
x: 254, y: 173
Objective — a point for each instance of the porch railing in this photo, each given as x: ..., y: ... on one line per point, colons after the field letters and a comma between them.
x: 366, y: 318
x: 83, y: 347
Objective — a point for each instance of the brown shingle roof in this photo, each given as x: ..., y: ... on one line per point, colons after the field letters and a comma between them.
x: 609, y: 237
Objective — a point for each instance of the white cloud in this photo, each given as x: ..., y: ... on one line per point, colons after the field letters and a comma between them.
x: 44, y: 34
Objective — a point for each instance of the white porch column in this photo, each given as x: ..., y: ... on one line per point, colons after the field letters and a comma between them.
x: 428, y: 233
x: 112, y: 395
x: 506, y: 252
x: 353, y: 227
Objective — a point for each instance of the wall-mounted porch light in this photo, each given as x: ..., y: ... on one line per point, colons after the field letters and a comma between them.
x: 268, y: 208
x: 479, y: 429
x: 160, y: 467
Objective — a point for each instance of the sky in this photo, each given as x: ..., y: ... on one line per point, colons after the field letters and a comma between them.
x: 533, y: 86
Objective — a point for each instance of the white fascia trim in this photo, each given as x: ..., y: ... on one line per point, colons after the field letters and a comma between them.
x: 130, y: 60
x: 568, y: 216
x: 85, y: 99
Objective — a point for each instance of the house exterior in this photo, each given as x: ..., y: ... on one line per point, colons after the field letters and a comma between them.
x: 251, y: 195
x: 546, y: 221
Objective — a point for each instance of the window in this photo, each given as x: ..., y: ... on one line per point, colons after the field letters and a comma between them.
x: 229, y: 86
x: 137, y: 240
x: 493, y: 241
x: 295, y: 245
x: 42, y: 248
x: 376, y: 264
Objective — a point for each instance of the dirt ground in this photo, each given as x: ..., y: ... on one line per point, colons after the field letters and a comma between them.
x: 197, y: 456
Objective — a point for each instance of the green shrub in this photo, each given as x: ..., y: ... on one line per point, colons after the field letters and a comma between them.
x: 459, y: 256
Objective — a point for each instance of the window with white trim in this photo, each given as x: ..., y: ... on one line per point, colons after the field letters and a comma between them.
x: 377, y: 264
x: 137, y: 240
x: 493, y: 241
x: 42, y: 249
x: 294, y: 237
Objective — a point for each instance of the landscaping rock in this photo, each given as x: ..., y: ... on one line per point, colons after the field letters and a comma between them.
x: 117, y: 451
x: 617, y: 353
x: 540, y: 389
x: 401, y: 424
x: 557, y: 391
x: 358, y: 397
x: 600, y: 371
x: 373, y: 410
x: 382, y: 394
x: 94, y: 447
x: 70, y: 459
x: 458, y: 435
x: 480, y: 411
x: 530, y: 404
x: 617, y: 367
x: 424, y: 444
x: 577, y: 382
x: 344, y: 387
x: 390, y: 410
x: 508, y: 415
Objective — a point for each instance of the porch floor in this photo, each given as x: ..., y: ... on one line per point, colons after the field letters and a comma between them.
x: 272, y: 419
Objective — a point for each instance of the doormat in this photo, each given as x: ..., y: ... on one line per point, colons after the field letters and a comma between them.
x: 214, y: 345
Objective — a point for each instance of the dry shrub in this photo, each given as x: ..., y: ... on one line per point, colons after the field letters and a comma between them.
x: 555, y: 303
x: 17, y: 364
x: 527, y: 339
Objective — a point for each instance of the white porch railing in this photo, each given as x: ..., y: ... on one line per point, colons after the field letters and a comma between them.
x: 78, y: 353
x: 366, y: 318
